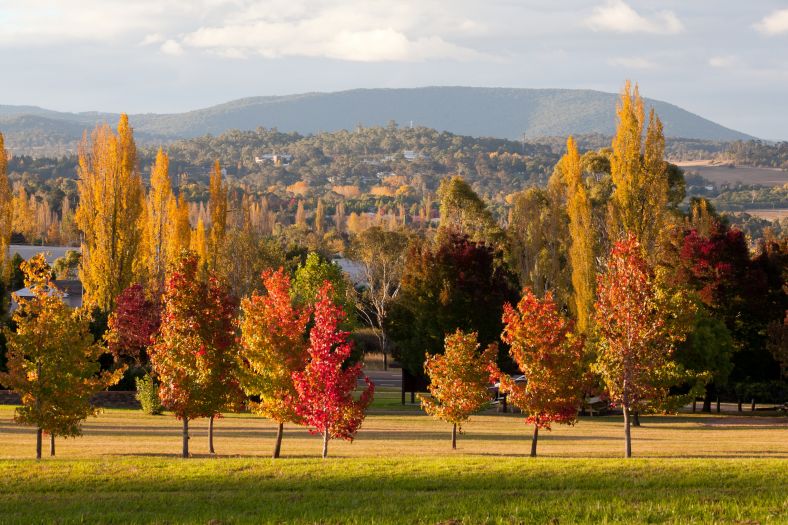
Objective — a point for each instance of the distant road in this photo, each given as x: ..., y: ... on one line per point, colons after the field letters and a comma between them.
x: 389, y: 379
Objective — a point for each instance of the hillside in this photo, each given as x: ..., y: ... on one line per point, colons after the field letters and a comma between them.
x: 493, y: 112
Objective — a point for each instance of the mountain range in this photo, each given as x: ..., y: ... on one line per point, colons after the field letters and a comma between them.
x: 493, y: 112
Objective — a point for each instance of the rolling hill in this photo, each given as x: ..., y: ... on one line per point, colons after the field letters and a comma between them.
x: 493, y: 112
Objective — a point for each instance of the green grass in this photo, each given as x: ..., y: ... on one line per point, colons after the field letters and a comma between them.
x: 393, y: 490
x: 401, y: 469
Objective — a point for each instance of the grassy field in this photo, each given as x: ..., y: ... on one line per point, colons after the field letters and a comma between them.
x: 723, y: 174
x: 400, y: 469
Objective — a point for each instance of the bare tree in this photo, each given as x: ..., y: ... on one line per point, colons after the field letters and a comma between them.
x: 381, y: 256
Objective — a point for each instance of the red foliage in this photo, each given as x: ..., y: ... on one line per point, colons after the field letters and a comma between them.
x: 325, y: 390
x: 550, y: 355
x: 133, y: 325
x: 194, y: 356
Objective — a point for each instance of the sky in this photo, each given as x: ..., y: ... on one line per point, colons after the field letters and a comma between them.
x: 726, y: 60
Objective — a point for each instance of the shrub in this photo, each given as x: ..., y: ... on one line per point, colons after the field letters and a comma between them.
x: 148, y: 395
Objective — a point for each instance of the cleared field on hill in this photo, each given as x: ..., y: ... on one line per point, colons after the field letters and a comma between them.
x: 769, y: 214
x: 400, y: 469
x: 721, y: 174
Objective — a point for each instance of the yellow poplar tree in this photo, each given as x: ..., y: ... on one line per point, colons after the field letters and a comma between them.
x: 640, y: 177
x: 199, y: 243
x: 111, y: 208
x: 218, y: 210
x: 159, y: 220
x: 581, y: 231
x: 6, y: 213
x: 179, y: 236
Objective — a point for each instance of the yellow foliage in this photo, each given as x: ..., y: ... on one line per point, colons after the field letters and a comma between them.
x: 111, y: 206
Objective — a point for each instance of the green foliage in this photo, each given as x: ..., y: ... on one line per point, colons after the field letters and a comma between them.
x: 310, y: 277
x: 148, y: 395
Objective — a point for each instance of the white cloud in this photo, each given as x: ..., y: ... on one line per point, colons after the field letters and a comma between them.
x: 171, y: 47
x: 724, y: 62
x: 351, y: 31
x: 774, y: 24
x: 152, y: 38
x: 633, y: 63
x: 618, y: 17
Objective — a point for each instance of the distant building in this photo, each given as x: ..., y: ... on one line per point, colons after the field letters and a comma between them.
x: 71, y: 290
x: 274, y: 158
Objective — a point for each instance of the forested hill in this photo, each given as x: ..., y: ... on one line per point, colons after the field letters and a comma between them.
x: 492, y: 112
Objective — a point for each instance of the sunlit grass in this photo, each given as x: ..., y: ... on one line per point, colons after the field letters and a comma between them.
x: 125, y: 469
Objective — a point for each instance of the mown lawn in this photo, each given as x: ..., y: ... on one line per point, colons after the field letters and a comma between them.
x: 691, y: 469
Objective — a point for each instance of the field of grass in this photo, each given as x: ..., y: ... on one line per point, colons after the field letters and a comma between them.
x: 400, y: 469
x: 723, y: 174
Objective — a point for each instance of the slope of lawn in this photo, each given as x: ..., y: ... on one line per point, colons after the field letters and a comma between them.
x: 400, y: 469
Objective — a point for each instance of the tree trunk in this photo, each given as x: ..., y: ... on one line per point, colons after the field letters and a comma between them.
x: 210, y: 436
x: 278, y: 444
x: 627, y: 435
x: 186, y: 437
x: 39, y: 434
x: 718, y: 405
x: 533, y: 441
x: 635, y: 418
x: 711, y: 392
x: 385, y: 361
x: 51, y: 444
x: 454, y: 437
x: 325, y: 444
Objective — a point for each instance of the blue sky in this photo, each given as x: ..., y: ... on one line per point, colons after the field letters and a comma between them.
x: 724, y: 59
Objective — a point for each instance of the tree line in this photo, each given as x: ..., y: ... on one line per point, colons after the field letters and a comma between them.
x: 601, y: 271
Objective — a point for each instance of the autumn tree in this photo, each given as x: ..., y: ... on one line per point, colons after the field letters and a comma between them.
x: 459, y: 380
x: 464, y: 213
x: 194, y: 355
x: 159, y: 221
x: 551, y: 357
x: 218, y: 209
x: 6, y: 213
x: 111, y: 205
x: 199, y: 244
x: 52, y: 360
x: 581, y: 235
x: 179, y: 234
x: 272, y: 349
x: 639, y: 173
x: 382, y: 257
x: 457, y: 284
x: 635, y: 347
x: 311, y: 276
x: 325, y: 386
x: 132, y: 326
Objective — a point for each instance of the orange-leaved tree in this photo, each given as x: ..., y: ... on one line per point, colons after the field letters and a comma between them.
x: 550, y: 355
x: 273, y: 346
x: 52, y: 360
x: 459, y: 380
x: 325, y: 388
x: 195, y: 355
x: 635, y: 343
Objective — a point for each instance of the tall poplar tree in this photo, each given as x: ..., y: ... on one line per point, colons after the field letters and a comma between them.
x: 581, y: 237
x: 111, y: 207
x: 639, y: 174
x: 218, y: 210
x: 159, y: 221
x: 5, y: 211
x: 179, y: 235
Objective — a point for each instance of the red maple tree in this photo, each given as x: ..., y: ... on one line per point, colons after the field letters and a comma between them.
x: 635, y: 343
x: 195, y: 353
x: 325, y: 389
x: 133, y: 325
x: 550, y: 355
